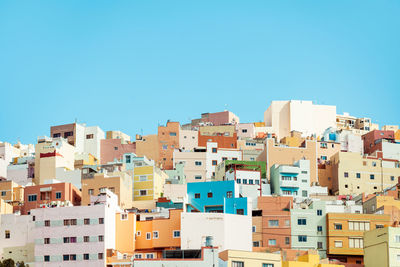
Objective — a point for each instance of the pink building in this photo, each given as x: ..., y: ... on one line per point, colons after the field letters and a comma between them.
x: 373, y: 140
x: 112, y: 149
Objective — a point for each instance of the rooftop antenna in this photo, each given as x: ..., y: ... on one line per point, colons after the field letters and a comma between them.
x: 226, y: 107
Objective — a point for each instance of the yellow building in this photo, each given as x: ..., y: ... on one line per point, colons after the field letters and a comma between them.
x: 148, y: 183
x: 354, y: 174
x: 51, y: 154
x: 247, y: 258
x: 309, y: 260
x: 371, y: 205
x: 293, y: 140
x: 120, y: 183
x: 11, y: 192
x: 382, y: 247
x: 5, y: 208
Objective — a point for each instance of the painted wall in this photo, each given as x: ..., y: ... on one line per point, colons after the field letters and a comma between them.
x: 228, y: 154
x: 188, y: 140
x: 114, y: 149
x: 194, y: 172
x: 148, y: 146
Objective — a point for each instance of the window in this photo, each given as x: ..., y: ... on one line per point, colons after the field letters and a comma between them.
x: 3, y: 193
x: 304, y: 193
x: 128, y: 159
x: 214, y: 163
x: 143, y: 192
x: 319, y: 212
x: 323, y: 157
x: 391, y: 178
x: 379, y: 226
x: 101, y: 238
x: 138, y: 256
x: 100, y: 256
x: 229, y: 194
x: 267, y: 265
x: 46, y: 240
x: 287, y: 240
x: 373, y: 164
x: 142, y: 178
x: 155, y: 234
x: 32, y: 198
x: 90, y: 192
x: 165, y: 147
x: 372, y: 176
x: 256, y: 244
x: 72, y: 239
x: 58, y: 195
x: 149, y: 256
x: 46, y: 258
x: 57, y: 135
x: 197, y: 195
x: 85, y: 256
x: 65, y: 257
x: 101, y: 220
x: 7, y: 234
x: 397, y: 238
x: 66, y: 239
x: 86, y: 239
x: 234, y: 158
x: 66, y: 134
x: 238, y: 181
x: 47, y: 223
x: 356, y: 243
x: 138, y: 233
x: 253, y: 228
x: 89, y: 136
x: 302, y: 238
x: 67, y: 222
x: 197, y: 163
x: 319, y: 228
x: 338, y: 244
x: 244, y: 130
x: 244, y: 181
x: 214, y: 150
x: 240, y: 211
x: 148, y: 236
x: 319, y: 245
x: 86, y: 221
x: 176, y: 234
x: 197, y: 177
x: 346, y: 186
x: 124, y: 216
x: 271, y: 242
x: 273, y: 223
x: 210, y: 195
x: 302, y: 221
x: 359, y: 226
x: 346, y: 174
x: 73, y: 221
x: 338, y: 226
x: 323, y: 145
x: 237, y: 264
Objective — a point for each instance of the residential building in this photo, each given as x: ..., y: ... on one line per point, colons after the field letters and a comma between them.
x: 382, y: 247
x: 326, y: 149
x: 310, y: 260
x: 249, y: 144
x: 177, y: 175
x: 354, y: 174
x: 195, y: 164
x: 125, y: 139
x: 168, y: 141
x: 46, y: 195
x: 114, y: 149
x: 279, y: 154
x: 11, y: 192
x: 345, y: 121
x: 224, y: 135
x: 50, y: 154
x: 92, y: 141
x: 303, y: 116
x: 246, y: 130
x: 218, y: 118
x: 222, y: 228
x: 293, y: 140
x: 125, y: 231
x: 345, y: 234
x: 73, y: 132
x: 247, y: 258
x: 276, y: 227
x: 147, y: 146
x: 22, y: 170
x: 366, y: 124
x: 291, y: 180
x: 215, y: 155
x: 373, y: 140
x: 218, y: 196
x: 77, y: 235
x: 188, y: 140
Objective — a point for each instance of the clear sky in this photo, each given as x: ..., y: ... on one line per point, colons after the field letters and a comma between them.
x: 130, y: 65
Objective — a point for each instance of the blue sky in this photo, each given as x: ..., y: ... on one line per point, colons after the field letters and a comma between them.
x: 130, y: 65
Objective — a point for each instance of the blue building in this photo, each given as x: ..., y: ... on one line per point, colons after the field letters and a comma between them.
x: 218, y: 196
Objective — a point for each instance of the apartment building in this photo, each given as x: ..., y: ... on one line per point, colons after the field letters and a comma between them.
x: 224, y: 135
x: 195, y: 164
x: 215, y: 155
x: 373, y: 140
x: 168, y: 141
x: 11, y: 192
x: 147, y: 146
x: 114, y: 149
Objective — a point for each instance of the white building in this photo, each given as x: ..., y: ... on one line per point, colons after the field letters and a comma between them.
x: 351, y: 142
x: 188, y: 140
x: 390, y: 150
x: 77, y: 235
x: 93, y: 135
x: 16, y: 237
x: 302, y: 116
x: 69, y: 176
x: 229, y: 231
x: 22, y: 171
x: 215, y: 155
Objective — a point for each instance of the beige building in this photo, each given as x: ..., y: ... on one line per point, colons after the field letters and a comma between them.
x: 52, y: 153
x: 120, y: 183
x: 354, y: 174
x: 11, y: 192
x: 188, y: 140
x: 247, y: 258
x: 147, y: 146
x: 195, y: 164
x: 118, y: 135
x: 382, y: 247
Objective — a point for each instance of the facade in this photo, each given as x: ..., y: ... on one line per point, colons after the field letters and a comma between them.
x: 168, y: 141
x: 227, y: 165
x: 231, y: 257
x: 39, y: 196
x: 148, y: 182
x: 22, y: 170
x: 147, y: 146
x: 92, y: 141
x: 373, y: 140
x: 309, y: 260
x: 218, y: 118
x: 118, y: 135
x: 51, y: 154
x: 74, y: 236
x: 221, y: 227
x: 278, y: 154
x: 195, y: 164
x: 114, y: 149
x: 303, y: 116
x: 326, y: 149
x: 11, y: 192
x: 382, y: 247
x: 73, y: 132
x: 188, y: 140
x: 215, y: 155
x: 224, y: 135
x: 345, y: 234
x: 291, y: 180
x: 354, y: 174
x: 246, y: 130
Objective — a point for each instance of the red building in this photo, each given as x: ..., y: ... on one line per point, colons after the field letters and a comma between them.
x: 373, y: 140
x: 49, y: 194
x: 225, y: 136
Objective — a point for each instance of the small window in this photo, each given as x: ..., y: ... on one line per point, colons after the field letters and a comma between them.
x: 197, y: 195
x: 197, y: 163
x: 46, y: 258
x: 176, y: 234
x: 273, y: 223
x: 234, y: 158
x: 101, y: 220
x: 86, y: 221
x: 391, y: 178
x: 73, y: 221
x: 244, y: 130
x: 197, y: 177
x: 346, y: 174
x: 65, y: 257
x: 149, y: 256
x: 115, y: 148
x: 172, y: 134
x: 67, y: 222
x: 372, y: 176
x: 143, y: 192
x: 224, y: 158
x: 238, y: 180
x: 57, y: 135
x: 302, y: 238
x: 142, y: 178
x: 89, y: 136
x: 373, y: 164
x: 86, y: 239
x: 271, y: 242
x: 46, y: 241
x: 319, y: 245
x: 244, y: 181
x: 302, y: 221
x: 90, y: 192
x: 229, y: 194
x: 155, y: 234
x: 256, y: 244
x: 240, y: 211
x: 128, y: 159
x: 124, y: 216
x: 100, y: 256
x: 214, y: 150
x: 86, y: 256
x: 148, y: 236
x: 287, y: 240
x: 237, y: 264
x: 338, y: 244
x: 101, y: 238
x: 214, y: 163
x: 47, y: 223
x: 7, y: 234
x: 3, y: 193
x: 319, y: 228
x: 66, y: 239
x: 210, y: 195
x: 358, y: 175
x: 319, y: 212
x: 138, y: 233
x: 58, y: 195
x: 32, y: 198
x: 66, y: 134
x: 338, y: 226
x: 253, y: 229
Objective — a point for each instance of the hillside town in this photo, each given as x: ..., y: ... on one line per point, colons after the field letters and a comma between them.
x: 299, y: 186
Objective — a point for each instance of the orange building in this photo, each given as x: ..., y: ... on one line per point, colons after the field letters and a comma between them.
x: 326, y: 149
x: 278, y: 154
x: 225, y: 136
x: 276, y: 228
x: 147, y: 146
x: 325, y: 174
x: 345, y: 234
x: 125, y: 228
x: 168, y: 140
x: 158, y: 234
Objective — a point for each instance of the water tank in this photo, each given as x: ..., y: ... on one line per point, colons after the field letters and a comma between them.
x: 209, y: 241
